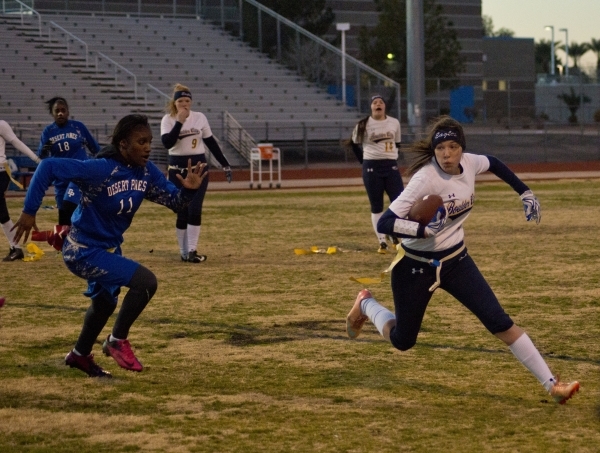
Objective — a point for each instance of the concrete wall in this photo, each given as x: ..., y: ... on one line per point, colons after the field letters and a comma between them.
x: 547, y: 102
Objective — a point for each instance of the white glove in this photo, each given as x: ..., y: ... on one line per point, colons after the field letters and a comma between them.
x: 531, y: 206
x: 228, y: 174
x: 437, y: 222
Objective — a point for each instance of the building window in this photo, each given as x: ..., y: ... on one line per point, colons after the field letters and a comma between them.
x: 502, y: 85
x: 484, y: 86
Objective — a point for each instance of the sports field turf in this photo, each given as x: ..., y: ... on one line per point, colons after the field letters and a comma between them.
x: 247, y: 352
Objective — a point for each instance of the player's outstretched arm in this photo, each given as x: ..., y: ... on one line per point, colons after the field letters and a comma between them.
x: 195, y: 175
x: 23, y: 226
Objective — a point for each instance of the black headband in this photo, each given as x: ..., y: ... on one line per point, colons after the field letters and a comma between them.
x: 182, y: 94
x: 442, y: 134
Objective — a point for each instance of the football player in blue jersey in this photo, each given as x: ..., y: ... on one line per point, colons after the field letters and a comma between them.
x: 113, y: 187
x: 65, y: 138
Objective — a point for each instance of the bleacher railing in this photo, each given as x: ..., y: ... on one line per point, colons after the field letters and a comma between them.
x: 68, y: 41
x: 237, y: 136
x: 18, y: 7
x: 312, y: 57
x: 315, y: 59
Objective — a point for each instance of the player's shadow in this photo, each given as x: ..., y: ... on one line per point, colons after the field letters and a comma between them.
x: 333, y: 329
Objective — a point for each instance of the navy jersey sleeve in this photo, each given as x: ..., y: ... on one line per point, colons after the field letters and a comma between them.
x: 392, y: 225
x: 358, y: 152
x: 216, y: 151
x: 169, y: 139
x: 498, y: 168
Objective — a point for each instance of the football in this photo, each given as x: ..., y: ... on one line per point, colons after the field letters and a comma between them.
x: 424, y: 210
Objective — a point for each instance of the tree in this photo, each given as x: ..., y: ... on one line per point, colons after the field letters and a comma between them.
x: 573, y: 101
x: 312, y: 15
x: 504, y: 33
x: 576, y: 51
x: 388, y: 37
x: 595, y: 47
x: 488, y: 25
x: 543, y: 56
x: 488, y: 29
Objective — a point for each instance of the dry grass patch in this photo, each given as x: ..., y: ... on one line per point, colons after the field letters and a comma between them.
x: 248, y: 351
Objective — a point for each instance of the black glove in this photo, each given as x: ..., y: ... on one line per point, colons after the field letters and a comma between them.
x: 46, y: 150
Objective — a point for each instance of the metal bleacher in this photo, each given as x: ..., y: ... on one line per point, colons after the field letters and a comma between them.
x: 148, y: 56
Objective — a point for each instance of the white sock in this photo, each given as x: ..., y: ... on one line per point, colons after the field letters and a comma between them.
x: 113, y: 338
x: 193, y: 234
x: 378, y: 314
x: 10, y: 235
x: 530, y: 357
x: 374, y: 219
x: 182, y: 241
x: 76, y: 352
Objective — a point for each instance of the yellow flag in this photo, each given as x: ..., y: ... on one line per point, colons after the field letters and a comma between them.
x: 34, y: 253
x: 374, y: 281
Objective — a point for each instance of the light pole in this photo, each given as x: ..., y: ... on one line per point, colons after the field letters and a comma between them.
x: 552, y: 63
x: 343, y: 27
x: 415, y: 64
x: 566, y: 50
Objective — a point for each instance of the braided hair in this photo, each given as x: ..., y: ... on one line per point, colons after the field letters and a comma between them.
x: 54, y: 100
x: 125, y: 126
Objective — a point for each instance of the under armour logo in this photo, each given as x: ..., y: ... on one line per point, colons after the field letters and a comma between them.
x: 369, y: 170
x: 415, y: 271
x: 451, y: 195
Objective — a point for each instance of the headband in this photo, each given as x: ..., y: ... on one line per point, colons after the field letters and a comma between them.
x: 442, y: 134
x: 182, y: 94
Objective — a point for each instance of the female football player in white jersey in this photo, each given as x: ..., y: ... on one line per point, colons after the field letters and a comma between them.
x: 187, y: 135
x: 8, y: 136
x: 436, y: 256
x: 375, y: 142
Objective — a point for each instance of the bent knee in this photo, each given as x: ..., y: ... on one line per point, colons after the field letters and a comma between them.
x: 402, y: 344
x: 405, y: 346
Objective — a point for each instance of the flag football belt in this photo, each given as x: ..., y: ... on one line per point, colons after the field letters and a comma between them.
x: 5, y: 167
x: 435, y: 263
x: 72, y: 241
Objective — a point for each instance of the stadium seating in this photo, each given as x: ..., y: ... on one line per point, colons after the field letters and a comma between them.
x: 223, y: 73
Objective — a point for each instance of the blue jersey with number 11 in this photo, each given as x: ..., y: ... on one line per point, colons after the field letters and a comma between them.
x: 112, y: 192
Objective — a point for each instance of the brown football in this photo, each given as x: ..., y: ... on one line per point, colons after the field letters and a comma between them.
x: 424, y: 210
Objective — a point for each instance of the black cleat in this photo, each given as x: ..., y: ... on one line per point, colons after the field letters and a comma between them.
x: 14, y: 254
x: 383, y: 248
x: 193, y: 257
x: 86, y: 364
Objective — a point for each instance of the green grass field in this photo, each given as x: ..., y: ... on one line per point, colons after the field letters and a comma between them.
x: 247, y: 352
